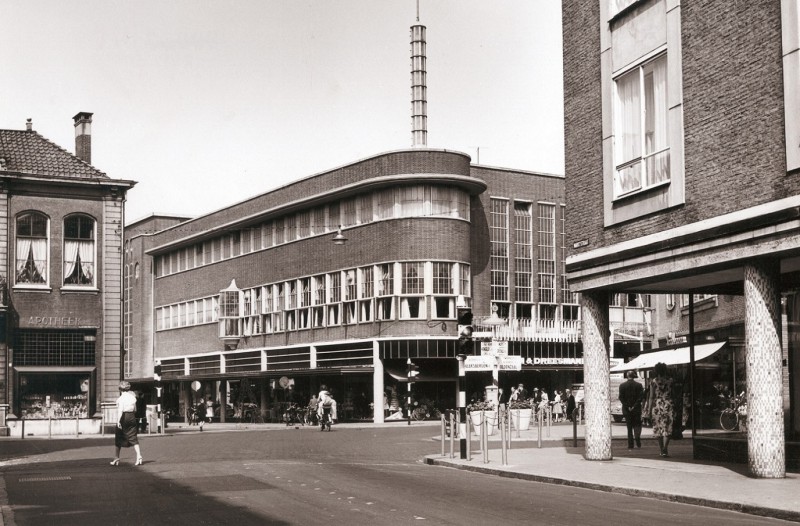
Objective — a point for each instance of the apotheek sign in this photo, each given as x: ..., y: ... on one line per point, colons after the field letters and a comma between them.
x: 56, y: 321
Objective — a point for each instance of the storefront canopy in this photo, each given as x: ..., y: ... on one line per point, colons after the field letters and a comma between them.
x: 402, y: 376
x: 670, y: 357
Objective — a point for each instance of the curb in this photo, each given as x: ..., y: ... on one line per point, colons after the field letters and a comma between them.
x: 749, y: 509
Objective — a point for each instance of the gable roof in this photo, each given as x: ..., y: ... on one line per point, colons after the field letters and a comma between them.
x: 28, y: 152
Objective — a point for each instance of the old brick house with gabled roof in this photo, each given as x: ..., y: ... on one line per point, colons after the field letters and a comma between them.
x: 61, y: 228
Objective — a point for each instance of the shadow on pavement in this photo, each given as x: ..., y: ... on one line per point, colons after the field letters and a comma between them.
x: 87, y: 492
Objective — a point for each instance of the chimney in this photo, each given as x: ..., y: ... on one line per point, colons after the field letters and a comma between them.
x: 83, y: 136
x: 29, y: 124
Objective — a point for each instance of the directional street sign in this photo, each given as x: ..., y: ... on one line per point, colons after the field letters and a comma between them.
x: 486, y: 362
x: 494, y: 348
x: 479, y: 363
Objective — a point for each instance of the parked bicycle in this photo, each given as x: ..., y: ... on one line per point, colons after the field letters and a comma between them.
x: 294, y: 414
x: 251, y: 414
x: 729, y: 418
x: 425, y: 410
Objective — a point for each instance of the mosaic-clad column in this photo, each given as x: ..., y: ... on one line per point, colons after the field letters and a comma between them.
x: 765, y: 438
x: 594, y: 310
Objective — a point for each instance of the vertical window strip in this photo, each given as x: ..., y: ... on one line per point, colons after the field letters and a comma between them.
x: 547, y: 254
x: 523, y: 252
x: 498, y: 239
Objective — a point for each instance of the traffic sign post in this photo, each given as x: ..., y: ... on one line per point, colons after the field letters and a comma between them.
x: 413, y: 372
x: 159, y: 389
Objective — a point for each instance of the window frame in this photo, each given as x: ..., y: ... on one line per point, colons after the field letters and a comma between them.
x: 640, y: 70
x: 45, y: 283
x: 92, y: 284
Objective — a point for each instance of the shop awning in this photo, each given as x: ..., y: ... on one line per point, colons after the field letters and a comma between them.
x: 402, y: 376
x: 670, y: 357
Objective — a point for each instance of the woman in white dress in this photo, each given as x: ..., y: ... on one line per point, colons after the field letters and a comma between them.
x: 558, y: 410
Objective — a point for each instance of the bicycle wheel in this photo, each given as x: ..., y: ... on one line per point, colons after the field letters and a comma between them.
x: 729, y: 419
x: 419, y: 414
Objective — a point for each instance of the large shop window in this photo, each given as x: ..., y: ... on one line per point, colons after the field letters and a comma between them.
x: 32, y: 248
x: 79, y: 250
x: 54, y: 395
x: 54, y: 371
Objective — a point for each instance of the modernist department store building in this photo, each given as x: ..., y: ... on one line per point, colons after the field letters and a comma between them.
x: 255, y: 303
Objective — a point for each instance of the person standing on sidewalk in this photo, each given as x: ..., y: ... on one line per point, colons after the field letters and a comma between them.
x: 126, y: 434
x: 570, y: 404
x: 659, y: 406
x: 630, y: 395
x: 141, y: 412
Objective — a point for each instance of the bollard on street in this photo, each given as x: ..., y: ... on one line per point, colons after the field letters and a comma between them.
x: 539, y: 425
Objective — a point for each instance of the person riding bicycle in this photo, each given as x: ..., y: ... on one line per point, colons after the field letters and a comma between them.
x: 326, y: 410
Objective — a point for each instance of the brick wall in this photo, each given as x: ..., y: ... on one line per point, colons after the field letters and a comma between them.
x: 733, y: 117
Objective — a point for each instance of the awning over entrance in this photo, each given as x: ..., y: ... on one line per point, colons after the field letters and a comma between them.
x: 669, y: 357
x: 402, y: 376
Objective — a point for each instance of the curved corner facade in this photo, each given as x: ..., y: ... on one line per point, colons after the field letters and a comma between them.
x: 256, y: 302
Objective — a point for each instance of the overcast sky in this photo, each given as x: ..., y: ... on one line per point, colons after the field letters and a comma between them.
x: 208, y: 102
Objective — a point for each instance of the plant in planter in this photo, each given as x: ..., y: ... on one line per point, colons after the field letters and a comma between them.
x: 520, y: 404
x: 483, y: 413
x: 480, y: 406
x: 521, y: 412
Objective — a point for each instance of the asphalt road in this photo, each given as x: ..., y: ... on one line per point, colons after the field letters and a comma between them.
x: 363, y: 476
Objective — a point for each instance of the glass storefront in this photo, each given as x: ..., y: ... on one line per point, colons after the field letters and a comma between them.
x: 54, y: 395
x: 54, y: 371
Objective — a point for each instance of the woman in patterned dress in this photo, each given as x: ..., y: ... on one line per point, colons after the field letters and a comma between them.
x: 659, y: 406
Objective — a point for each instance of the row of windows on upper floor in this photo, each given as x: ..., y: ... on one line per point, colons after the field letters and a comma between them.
x: 32, y: 251
x: 386, y: 291
x: 388, y: 203
x: 569, y: 310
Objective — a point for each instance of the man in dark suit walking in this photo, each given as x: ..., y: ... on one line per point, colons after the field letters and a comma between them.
x: 630, y: 394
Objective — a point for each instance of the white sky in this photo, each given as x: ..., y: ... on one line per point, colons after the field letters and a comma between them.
x: 208, y: 102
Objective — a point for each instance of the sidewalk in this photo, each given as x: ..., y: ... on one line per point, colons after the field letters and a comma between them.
x: 639, y: 472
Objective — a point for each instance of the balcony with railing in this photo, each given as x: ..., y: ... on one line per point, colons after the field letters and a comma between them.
x: 531, y: 330
x: 527, y: 329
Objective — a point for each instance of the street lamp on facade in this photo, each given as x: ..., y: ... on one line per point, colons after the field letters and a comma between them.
x: 339, y: 238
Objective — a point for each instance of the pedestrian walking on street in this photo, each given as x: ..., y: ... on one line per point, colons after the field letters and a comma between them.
x: 126, y: 434
x: 209, y: 410
x: 659, y: 406
x: 630, y: 395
